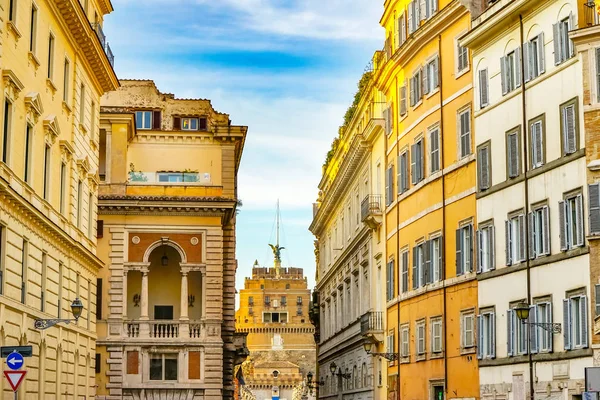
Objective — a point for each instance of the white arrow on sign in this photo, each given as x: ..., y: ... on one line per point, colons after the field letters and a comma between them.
x: 14, y: 361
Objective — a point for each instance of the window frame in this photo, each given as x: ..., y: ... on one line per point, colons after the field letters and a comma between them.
x: 568, y: 321
x: 510, y: 174
x: 465, y: 266
x: 461, y: 52
x: 417, y: 167
x: 539, y: 332
x: 405, y: 342
x: 190, y: 120
x: 539, y: 229
x: 163, y: 357
x: 484, y: 82
x: 574, y: 102
x: 33, y: 28
x: 421, y: 339
x: 517, y: 253
x: 483, y: 185
x: 486, y: 233
x: 416, y: 88
x: 464, y: 110
x: 434, y: 154
x: 572, y: 199
x: 404, y: 256
x: 433, y: 323
x: 141, y: 121
x: 464, y: 332
x: 541, y: 120
x: 487, y: 349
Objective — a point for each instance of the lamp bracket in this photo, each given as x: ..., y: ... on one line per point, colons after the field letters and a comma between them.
x: 42, y: 324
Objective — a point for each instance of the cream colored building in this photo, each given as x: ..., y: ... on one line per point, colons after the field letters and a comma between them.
x: 531, y: 200
x: 348, y: 222
x: 167, y: 206
x: 55, y: 65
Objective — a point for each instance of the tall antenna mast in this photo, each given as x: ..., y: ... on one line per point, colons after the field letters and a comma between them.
x: 277, y: 222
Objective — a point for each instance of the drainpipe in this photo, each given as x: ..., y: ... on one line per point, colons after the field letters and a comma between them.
x: 526, y: 183
x: 399, y: 260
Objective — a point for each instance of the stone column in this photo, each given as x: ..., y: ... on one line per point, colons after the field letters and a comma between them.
x: 184, y: 326
x: 144, y: 310
x: 125, y: 271
x: 203, y: 297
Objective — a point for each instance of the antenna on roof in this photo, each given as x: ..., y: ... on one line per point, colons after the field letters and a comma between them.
x: 277, y: 248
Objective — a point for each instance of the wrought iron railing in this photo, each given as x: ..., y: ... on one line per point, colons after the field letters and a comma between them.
x: 105, y: 46
x: 371, y: 205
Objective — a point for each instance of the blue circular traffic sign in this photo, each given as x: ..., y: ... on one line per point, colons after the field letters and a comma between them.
x: 14, y: 361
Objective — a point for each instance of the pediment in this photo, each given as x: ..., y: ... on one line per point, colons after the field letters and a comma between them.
x: 33, y: 102
x: 51, y: 127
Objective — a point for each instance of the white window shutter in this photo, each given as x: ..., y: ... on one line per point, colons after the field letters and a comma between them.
x: 422, y: 10
x: 434, y: 6
x: 533, y: 329
x: 483, y: 88
x: 508, y: 234
x: 569, y: 140
x: 387, y: 188
x: 594, y: 204
x: 479, y: 337
x: 413, y: 164
x: 546, y: 230
x: 517, y: 67
x: 426, y: 78
x: 468, y: 251
x: 410, y: 17
x: 397, y: 32
x: 504, y: 75
x: 523, y: 241
x: 402, y: 28
x: 527, y: 61
x: 549, y: 334
x: 584, y: 321
x: 562, y: 222
x: 436, y: 71
x: 492, y: 247
x: 532, y: 235
x: 566, y: 324
x: 479, y: 250
x: 510, y: 333
x: 493, y: 334
x: 422, y: 160
x: 459, y: 252
x: 580, y: 237
x: 572, y: 25
x: 557, y: 37
x: 541, y: 54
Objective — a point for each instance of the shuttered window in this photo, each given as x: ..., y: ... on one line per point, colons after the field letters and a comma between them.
x: 400, y: 30
x: 467, y: 337
x: 405, y: 272
x: 431, y: 76
x: 516, y: 333
x: 436, y: 335
x: 539, y: 232
x: 510, y: 71
x: 435, y: 264
x: 462, y: 58
x: 533, y: 57
x: 563, y: 46
x: 416, y: 89
x: 513, y: 154
x: 389, y: 185
x: 420, y: 341
x: 417, y: 165
x: 388, y: 116
x: 486, y: 255
x: 402, y: 96
x: 541, y: 339
x: 434, y: 150
x: 571, y: 222
x: 464, y: 250
x: 403, y: 184
x: 569, y: 134
x: 413, y: 16
x: 390, y: 280
x: 484, y: 169
x: 515, y: 239
x: 536, y: 130
x: 405, y: 341
x: 594, y: 203
x: 486, y: 335
x: 484, y: 89
x: 464, y: 122
x: 417, y: 269
x: 575, y: 328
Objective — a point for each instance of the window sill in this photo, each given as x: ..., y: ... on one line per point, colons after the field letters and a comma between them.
x: 83, y: 129
x: 51, y: 85
x: 34, y: 60
x: 467, y: 350
x: 421, y: 357
x: 417, y: 104
x: 66, y: 107
x: 462, y: 72
x: 433, y: 93
x: 435, y: 356
x: 12, y: 28
x: 405, y: 360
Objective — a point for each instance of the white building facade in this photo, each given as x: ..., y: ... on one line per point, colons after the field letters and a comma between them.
x: 532, y: 200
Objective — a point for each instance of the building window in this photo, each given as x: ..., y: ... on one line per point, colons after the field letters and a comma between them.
x: 400, y: 30
x: 405, y: 341
x: 250, y: 301
x: 434, y: 149
x: 536, y: 132
x: 82, y: 105
x: 433, y: 260
x: 405, y: 271
x: 388, y: 116
x: 464, y: 121
x: 189, y: 124
x: 143, y: 119
x: 50, y: 56
x: 403, y: 172
x: 390, y: 346
x: 563, y: 46
x: 539, y: 232
x: 484, y: 166
x: 462, y: 58
x: 402, y: 97
x: 569, y: 127
x: 541, y: 339
x: 27, y: 174
x: 594, y: 204
x: 467, y: 334
x: 24, y: 269
x: 66, y: 81
x: 430, y: 8
x: 516, y: 334
x: 163, y: 367
x: 570, y: 212
x: 533, y: 52
x: 12, y: 11
x: 513, y: 153
x: 267, y: 300
x: 515, y: 239
x: 510, y: 66
x: 2, y: 262
x: 283, y: 301
x: 484, y: 89
x: 486, y: 254
x: 178, y: 177
x: 436, y: 335
x: 418, y: 266
x: 47, y: 167
x: 7, y: 126
x: 63, y: 186
x: 79, y: 202
x: 90, y: 214
x: 416, y: 90
x: 390, y: 280
x: 33, y: 29
x: 417, y: 165
x: 575, y: 328
x: 389, y: 185
x: 486, y: 335
x: 431, y: 76
x: 420, y: 341
x: 464, y: 249
x: 413, y: 16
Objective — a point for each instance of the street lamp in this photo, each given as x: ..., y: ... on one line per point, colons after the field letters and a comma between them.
x: 313, y: 385
x: 522, y: 311
x: 76, y: 310
x: 368, y: 346
x: 335, y: 371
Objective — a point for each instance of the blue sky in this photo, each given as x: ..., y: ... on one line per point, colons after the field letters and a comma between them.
x: 287, y: 69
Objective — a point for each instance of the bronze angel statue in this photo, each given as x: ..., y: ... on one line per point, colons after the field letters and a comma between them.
x: 277, y: 251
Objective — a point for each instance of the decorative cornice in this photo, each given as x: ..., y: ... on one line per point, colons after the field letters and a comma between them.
x: 51, y: 128
x: 33, y: 104
x: 12, y: 83
x: 93, y: 182
x: 83, y: 166
x: 165, y: 205
x: 67, y: 149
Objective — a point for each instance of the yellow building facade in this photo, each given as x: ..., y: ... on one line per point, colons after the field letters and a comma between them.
x: 274, y: 313
x: 55, y: 65
x: 429, y: 201
x: 167, y: 205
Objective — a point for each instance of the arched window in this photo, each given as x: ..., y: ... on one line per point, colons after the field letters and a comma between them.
x: 355, y: 377
x: 365, y: 382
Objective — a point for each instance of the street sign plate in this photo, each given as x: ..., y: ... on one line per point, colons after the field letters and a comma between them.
x: 15, y: 378
x: 14, y: 361
x: 26, y: 351
x: 592, y: 379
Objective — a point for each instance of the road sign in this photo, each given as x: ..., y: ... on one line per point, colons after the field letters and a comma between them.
x: 26, y: 351
x: 14, y: 361
x: 15, y: 378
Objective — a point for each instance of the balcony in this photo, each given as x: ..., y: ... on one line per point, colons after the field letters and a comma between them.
x: 102, y: 38
x: 371, y: 213
x: 371, y: 323
x: 590, y: 11
x: 165, y: 330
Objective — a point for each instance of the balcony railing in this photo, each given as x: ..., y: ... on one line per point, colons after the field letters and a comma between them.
x: 163, y: 329
x: 591, y: 16
x: 371, y: 323
x: 102, y: 38
x: 370, y: 210
x: 170, y: 178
